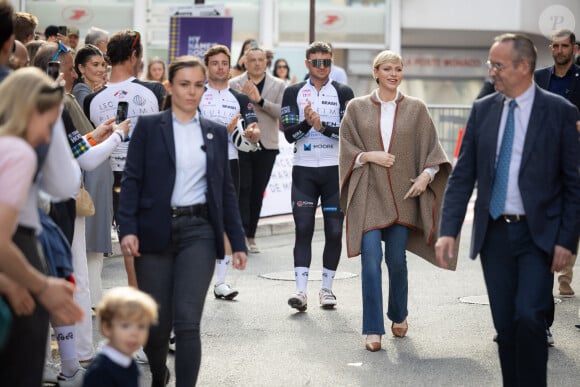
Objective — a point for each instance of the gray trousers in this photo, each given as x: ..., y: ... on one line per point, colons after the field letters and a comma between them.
x: 178, y: 279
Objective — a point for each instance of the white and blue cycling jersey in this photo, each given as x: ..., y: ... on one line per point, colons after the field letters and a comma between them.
x: 313, y: 148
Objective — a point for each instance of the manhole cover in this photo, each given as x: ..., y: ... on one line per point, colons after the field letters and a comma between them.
x: 478, y: 300
x: 484, y: 300
x: 314, y: 275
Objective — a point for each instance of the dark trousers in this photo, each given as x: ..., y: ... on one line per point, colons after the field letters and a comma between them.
x: 178, y: 280
x: 22, y: 359
x: 519, y: 284
x: 255, y: 170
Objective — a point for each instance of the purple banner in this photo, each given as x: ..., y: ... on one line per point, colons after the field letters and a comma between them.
x: 190, y: 35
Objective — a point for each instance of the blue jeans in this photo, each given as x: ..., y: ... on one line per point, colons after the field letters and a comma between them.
x: 395, y: 238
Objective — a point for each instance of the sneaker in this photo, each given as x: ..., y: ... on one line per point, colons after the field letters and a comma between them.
x: 565, y: 289
x: 549, y: 338
x: 253, y: 248
x: 225, y: 292
x: 141, y: 357
x: 50, y: 373
x: 298, y: 301
x: 172, y: 342
x: 327, y: 298
x: 72, y: 381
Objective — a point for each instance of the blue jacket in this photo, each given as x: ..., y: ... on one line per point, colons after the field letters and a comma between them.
x: 548, y: 179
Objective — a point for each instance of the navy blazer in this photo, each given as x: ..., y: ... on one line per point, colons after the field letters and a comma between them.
x: 542, y: 78
x: 548, y: 178
x: 149, y: 178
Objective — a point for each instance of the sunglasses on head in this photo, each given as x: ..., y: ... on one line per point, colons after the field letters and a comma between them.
x: 52, y: 90
x: 135, y: 39
x: 320, y: 62
x: 61, y: 49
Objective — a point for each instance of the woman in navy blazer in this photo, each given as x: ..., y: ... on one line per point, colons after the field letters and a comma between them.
x: 177, y: 199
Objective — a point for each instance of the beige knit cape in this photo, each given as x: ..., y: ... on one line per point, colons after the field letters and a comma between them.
x: 371, y: 196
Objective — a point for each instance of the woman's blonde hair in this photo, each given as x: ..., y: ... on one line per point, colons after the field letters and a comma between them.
x: 24, y: 92
x: 386, y: 56
x: 127, y: 303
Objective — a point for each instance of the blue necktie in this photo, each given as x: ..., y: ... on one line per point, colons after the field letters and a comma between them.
x: 502, y: 169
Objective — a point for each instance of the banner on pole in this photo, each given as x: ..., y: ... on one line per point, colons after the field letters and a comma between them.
x: 195, y: 35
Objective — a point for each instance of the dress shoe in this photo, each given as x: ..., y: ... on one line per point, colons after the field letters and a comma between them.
x: 566, y: 289
x: 373, y: 343
x: 400, y: 329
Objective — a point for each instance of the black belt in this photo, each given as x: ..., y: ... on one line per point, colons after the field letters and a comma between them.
x: 199, y: 210
x: 23, y: 230
x: 512, y: 218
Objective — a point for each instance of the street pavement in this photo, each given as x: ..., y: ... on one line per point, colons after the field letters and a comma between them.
x: 258, y: 340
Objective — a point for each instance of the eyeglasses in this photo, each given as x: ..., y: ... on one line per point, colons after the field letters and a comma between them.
x: 320, y: 62
x: 61, y: 49
x: 281, y: 67
x: 496, y: 67
x: 135, y: 40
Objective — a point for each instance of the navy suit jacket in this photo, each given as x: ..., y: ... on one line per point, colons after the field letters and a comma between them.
x: 542, y: 78
x: 149, y: 178
x: 548, y: 179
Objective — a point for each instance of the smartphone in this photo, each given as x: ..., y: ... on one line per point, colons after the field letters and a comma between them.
x: 122, y: 111
x: 53, y: 69
x: 62, y: 30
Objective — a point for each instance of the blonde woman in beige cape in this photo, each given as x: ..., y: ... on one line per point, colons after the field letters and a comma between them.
x: 392, y: 172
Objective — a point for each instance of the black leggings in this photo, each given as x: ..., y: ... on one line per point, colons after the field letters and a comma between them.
x: 309, y: 184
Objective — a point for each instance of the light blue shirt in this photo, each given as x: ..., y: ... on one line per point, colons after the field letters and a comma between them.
x: 514, y: 204
x: 190, y: 164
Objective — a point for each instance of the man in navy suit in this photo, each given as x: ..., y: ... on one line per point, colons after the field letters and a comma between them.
x: 533, y: 230
x: 563, y: 78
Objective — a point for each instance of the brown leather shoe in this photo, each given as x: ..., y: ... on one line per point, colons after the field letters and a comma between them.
x: 400, y: 329
x: 371, y: 344
x: 566, y: 289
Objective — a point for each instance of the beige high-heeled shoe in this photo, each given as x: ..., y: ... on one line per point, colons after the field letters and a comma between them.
x: 400, y: 329
x: 372, y: 344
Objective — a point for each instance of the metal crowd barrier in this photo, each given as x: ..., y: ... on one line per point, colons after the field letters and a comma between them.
x: 449, y: 119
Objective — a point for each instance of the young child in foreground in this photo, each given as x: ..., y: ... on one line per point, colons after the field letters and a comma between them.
x: 125, y: 315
